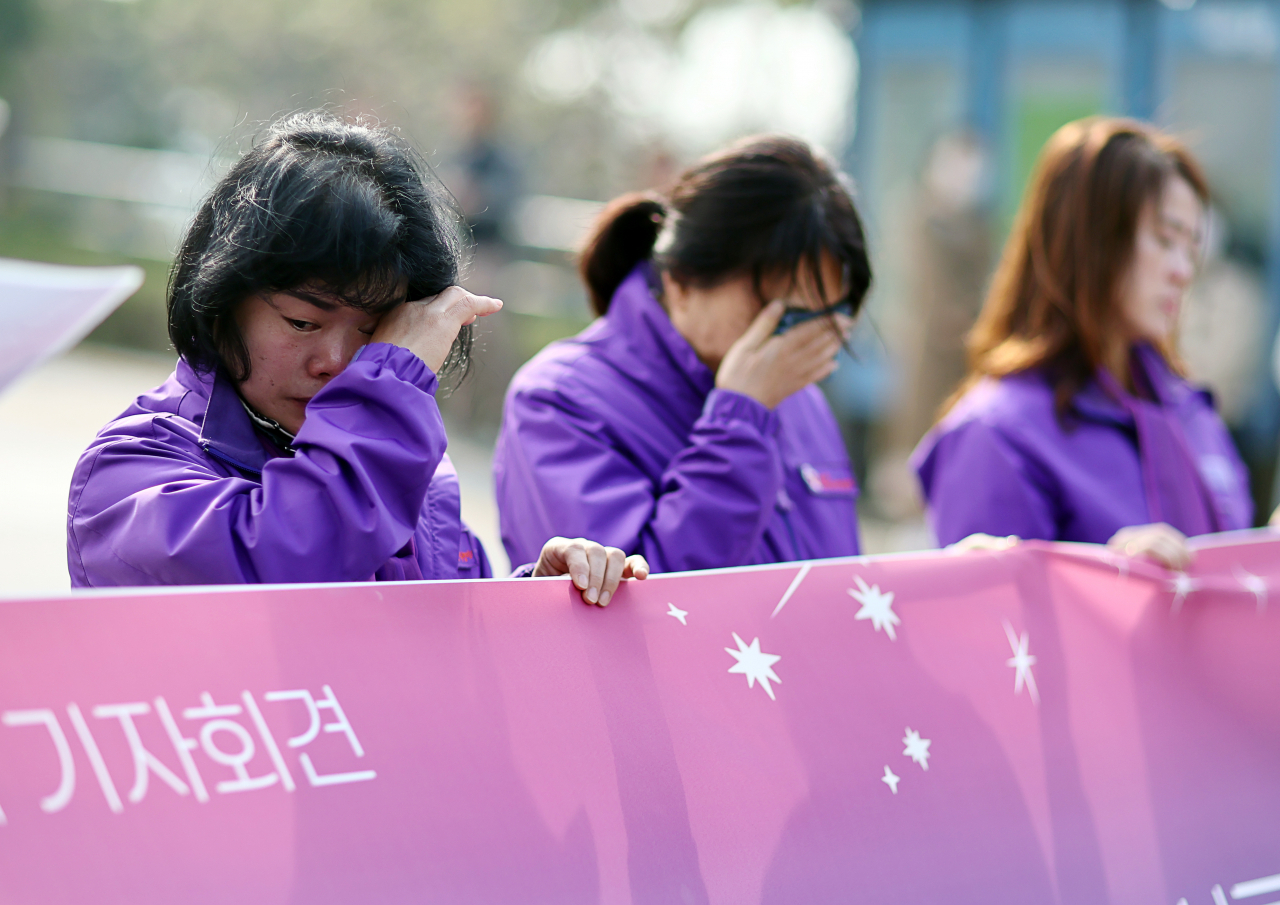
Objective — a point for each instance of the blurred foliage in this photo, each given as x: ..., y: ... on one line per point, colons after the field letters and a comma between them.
x: 203, y: 76
x: 186, y: 74
x: 17, y: 25
x: 33, y: 228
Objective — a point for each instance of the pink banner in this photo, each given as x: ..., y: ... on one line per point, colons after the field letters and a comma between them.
x: 1040, y: 725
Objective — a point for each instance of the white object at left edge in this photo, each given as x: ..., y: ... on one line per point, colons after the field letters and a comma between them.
x: 48, y: 308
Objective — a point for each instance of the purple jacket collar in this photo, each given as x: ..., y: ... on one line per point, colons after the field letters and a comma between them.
x: 225, y: 429
x: 1104, y: 399
x: 1174, y: 487
x: 638, y: 318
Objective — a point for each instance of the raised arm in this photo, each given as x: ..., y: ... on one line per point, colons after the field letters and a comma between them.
x: 149, y: 503
x: 149, y: 507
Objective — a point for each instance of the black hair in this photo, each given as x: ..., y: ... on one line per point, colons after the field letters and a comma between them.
x: 765, y: 207
x: 321, y: 205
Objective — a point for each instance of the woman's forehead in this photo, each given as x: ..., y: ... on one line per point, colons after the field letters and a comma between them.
x: 834, y: 275
x: 1178, y: 208
x: 371, y: 294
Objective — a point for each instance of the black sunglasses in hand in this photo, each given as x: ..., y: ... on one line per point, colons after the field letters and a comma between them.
x: 793, y: 317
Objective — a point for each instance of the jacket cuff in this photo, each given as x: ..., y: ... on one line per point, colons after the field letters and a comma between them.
x: 525, y: 571
x: 725, y: 405
x: 400, y: 361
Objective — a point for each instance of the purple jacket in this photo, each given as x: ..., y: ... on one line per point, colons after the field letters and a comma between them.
x: 619, y: 435
x: 1000, y: 462
x: 182, y: 489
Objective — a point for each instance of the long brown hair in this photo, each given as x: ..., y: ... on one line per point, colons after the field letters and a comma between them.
x: 1053, y: 302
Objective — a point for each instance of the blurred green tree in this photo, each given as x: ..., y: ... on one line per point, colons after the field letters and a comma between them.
x: 17, y: 28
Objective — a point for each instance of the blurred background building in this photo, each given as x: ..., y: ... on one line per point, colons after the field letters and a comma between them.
x: 116, y: 115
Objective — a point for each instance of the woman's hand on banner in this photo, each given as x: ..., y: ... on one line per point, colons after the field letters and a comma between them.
x: 981, y: 541
x: 769, y: 367
x: 594, y: 568
x: 1162, y: 543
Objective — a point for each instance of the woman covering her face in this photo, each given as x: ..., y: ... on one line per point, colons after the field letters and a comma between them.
x: 312, y: 305
x: 1076, y: 423
x: 684, y: 423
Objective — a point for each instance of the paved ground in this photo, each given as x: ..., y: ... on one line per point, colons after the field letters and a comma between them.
x: 49, y: 418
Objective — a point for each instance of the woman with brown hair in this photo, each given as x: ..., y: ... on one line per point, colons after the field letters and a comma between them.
x: 1076, y: 422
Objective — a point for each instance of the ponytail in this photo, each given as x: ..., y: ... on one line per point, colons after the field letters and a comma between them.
x: 767, y: 207
x: 623, y: 235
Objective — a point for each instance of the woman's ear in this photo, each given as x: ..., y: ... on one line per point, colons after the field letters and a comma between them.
x: 675, y: 297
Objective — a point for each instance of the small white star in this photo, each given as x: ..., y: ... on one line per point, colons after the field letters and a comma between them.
x: 876, y: 606
x: 676, y: 613
x: 1255, y: 584
x: 1022, y: 661
x: 1183, y: 585
x: 753, y: 664
x: 890, y: 780
x: 917, y: 748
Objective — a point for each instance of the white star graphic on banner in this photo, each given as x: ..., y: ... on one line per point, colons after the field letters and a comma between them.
x: 917, y: 748
x: 756, y: 666
x: 876, y: 606
x: 1022, y: 661
x: 1250, y: 888
x: 677, y: 613
x: 890, y: 780
x: 1254, y: 584
x: 1183, y: 585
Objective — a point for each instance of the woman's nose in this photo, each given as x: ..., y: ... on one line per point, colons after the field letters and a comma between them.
x: 333, y: 355
x: 1183, y: 270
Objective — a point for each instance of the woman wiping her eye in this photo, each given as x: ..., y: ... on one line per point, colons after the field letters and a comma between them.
x: 685, y: 423
x: 1076, y: 423
x: 313, y: 309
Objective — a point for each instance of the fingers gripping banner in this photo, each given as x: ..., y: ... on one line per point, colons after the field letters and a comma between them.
x: 1045, y: 724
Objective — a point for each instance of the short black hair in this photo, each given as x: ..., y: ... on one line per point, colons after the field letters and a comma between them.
x: 320, y: 204
x: 767, y: 206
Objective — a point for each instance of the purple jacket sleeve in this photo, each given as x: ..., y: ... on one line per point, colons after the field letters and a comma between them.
x: 975, y: 480
x: 150, y: 507
x: 562, y: 471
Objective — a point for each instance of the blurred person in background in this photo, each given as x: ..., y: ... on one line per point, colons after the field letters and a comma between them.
x: 1075, y: 422
x: 485, y: 177
x: 1223, y: 337
x: 1222, y: 331
x: 684, y: 423
x: 313, y: 308
x: 482, y: 173
x: 948, y: 247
